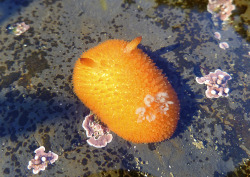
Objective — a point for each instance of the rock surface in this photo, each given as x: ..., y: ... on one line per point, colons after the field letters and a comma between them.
x: 39, y: 108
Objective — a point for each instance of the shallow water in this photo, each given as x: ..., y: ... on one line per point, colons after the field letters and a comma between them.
x: 39, y: 108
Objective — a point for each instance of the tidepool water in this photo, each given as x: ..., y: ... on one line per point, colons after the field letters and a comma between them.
x: 39, y: 108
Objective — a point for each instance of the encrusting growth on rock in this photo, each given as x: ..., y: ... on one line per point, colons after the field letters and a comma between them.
x: 216, y: 83
x: 41, y: 160
x: 221, y: 8
x: 18, y: 28
x: 98, y: 134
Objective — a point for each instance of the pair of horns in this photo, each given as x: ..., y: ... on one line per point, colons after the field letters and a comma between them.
x: 129, y: 47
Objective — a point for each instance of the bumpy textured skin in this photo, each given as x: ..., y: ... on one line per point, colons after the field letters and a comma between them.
x: 124, y: 88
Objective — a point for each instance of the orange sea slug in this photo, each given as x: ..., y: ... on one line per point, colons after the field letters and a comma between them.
x: 124, y: 88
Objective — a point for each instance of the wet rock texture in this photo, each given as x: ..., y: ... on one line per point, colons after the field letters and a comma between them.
x: 38, y: 107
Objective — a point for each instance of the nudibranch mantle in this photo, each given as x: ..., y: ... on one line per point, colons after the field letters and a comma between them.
x: 121, y: 85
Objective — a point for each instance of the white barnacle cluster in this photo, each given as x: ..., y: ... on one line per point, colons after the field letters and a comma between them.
x: 158, y: 102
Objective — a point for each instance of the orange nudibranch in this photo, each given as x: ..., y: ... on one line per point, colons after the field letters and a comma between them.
x: 123, y: 87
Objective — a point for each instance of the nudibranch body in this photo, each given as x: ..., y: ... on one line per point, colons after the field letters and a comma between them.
x: 124, y: 88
